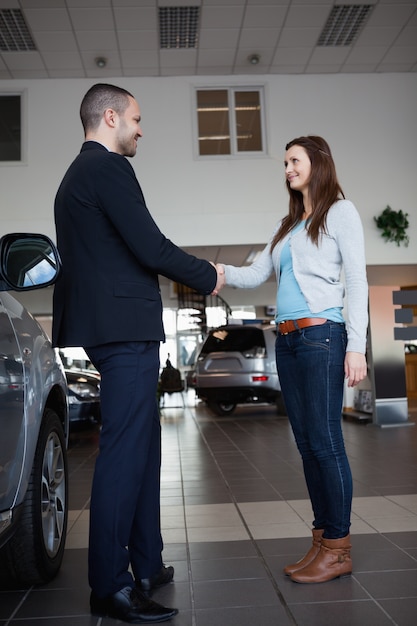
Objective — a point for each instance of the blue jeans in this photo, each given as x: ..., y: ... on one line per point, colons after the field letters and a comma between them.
x: 310, y: 366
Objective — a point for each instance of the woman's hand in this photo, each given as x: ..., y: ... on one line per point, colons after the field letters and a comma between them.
x: 355, y: 368
x: 221, y: 278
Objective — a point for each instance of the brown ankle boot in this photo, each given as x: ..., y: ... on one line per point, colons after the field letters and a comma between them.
x: 332, y: 561
x: 311, y: 554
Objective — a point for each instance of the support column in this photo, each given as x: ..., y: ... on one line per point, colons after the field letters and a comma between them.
x: 387, y: 361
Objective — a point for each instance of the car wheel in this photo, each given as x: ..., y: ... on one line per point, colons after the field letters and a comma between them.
x: 281, y: 410
x: 34, y: 554
x: 222, y: 408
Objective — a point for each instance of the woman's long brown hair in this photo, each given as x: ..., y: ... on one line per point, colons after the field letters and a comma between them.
x: 324, y: 189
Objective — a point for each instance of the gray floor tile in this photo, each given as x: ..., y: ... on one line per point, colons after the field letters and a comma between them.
x: 175, y: 552
x: 73, y: 620
x: 403, y: 540
x: 234, y: 593
x: 228, y: 569
x: 403, y: 610
x: 340, y: 614
x: 379, y: 560
x: 9, y: 602
x: 55, y: 603
x: 390, y: 585
x: 247, y: 616
x: 249, y: 457
x: 221, y: 549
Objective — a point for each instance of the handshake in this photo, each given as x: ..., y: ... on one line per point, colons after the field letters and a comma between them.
x: 221, y: 278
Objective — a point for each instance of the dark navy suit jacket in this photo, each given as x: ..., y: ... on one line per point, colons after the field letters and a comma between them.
x: 112, y: 252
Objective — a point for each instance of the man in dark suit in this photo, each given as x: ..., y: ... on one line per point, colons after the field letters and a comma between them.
x: 107, y: 300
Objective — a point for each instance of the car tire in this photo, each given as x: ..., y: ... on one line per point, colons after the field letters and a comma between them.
x: 34, y: 554
x: 222, y: 408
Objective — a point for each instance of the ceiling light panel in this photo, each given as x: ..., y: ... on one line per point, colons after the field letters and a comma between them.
x: 14, y: 33
x: 178, y: 27
x: 344, y: 24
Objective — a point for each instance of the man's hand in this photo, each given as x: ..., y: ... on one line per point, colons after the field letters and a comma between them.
x: 221, y: 278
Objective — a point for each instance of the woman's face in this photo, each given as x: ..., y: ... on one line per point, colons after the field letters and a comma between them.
x: 297, y: 168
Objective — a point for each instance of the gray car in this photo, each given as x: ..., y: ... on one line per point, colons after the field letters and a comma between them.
x: 236, y: 365
x: 33, y: 422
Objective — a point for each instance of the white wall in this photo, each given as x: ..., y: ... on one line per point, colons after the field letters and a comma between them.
x: 369, y: 121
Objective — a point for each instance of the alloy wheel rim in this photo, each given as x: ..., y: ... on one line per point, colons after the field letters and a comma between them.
x: 53, y: 494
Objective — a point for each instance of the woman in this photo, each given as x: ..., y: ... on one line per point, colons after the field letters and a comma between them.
x: 315, y: 349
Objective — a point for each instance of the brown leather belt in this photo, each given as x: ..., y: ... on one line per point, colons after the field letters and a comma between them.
x: 289, y: 326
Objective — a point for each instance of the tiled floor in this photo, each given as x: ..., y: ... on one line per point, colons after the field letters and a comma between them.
x: 235, y: 511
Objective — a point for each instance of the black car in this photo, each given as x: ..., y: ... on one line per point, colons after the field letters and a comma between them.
x: 83, y: 395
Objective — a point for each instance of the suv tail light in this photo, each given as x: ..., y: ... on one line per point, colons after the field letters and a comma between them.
x: 259, y: 379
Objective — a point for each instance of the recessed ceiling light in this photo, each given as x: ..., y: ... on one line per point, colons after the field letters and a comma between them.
x: 254, y: 59
x: 101, y: 62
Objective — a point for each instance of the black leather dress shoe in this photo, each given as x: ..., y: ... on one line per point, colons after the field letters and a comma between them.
x: 163, y: 577
x: 130, y: 605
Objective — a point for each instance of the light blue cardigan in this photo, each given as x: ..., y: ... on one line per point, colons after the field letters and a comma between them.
x: 318, y: 269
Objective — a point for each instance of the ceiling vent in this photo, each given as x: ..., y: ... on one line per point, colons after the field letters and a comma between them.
x: 178, y: 27
x: 344, y: 24
x: 14, y: 33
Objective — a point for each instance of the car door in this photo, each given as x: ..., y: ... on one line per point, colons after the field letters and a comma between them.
x: 12, y: 423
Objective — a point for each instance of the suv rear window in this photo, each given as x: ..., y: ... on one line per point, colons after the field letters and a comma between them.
x: 244, y: 340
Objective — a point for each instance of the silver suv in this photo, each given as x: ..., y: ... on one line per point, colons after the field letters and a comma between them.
x: 236, y: 365
x: 33, y: 422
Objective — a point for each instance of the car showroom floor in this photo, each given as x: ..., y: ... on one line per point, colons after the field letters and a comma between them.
x: 235, y: 511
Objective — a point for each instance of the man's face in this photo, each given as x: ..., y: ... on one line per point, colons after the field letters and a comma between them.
x: 128, y: 130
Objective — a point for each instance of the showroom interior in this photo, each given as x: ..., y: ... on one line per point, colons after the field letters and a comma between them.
x: 234, y: 503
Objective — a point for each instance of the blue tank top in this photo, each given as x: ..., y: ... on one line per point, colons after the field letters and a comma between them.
x: 291, y: 304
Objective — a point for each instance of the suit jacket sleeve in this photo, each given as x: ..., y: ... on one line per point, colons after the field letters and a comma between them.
x: 122, y: 200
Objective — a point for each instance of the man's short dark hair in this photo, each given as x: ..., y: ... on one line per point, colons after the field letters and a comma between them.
x: 99, y: 98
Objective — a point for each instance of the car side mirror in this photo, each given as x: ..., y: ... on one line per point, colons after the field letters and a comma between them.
x: 28, y: 261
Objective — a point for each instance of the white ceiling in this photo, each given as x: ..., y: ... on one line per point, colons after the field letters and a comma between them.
x: 70, y: 34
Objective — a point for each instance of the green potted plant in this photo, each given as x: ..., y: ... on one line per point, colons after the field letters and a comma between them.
x: 393, y: 225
